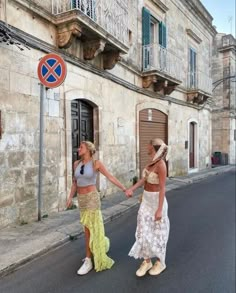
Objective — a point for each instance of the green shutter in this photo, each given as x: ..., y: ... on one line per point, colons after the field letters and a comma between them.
x: 146, y: 24
x: 162, y: 34
x: 193, y: 68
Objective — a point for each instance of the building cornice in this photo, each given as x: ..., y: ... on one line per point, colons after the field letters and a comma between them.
x: 227, y: 48
x: 160, y: 5
x: 8, y: 37
x: 196, y: 8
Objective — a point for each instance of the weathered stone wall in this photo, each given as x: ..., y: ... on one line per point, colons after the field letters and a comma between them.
x: 19, y: 146
x: 117, y: 105
x: 224, y: 106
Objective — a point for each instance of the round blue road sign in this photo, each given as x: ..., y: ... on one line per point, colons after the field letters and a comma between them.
x: 52, y: 70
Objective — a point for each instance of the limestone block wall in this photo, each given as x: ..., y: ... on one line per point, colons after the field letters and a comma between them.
x: 19, y: 146
x: 178, y: 130
x: 24, y: 18
x: 223, y: 124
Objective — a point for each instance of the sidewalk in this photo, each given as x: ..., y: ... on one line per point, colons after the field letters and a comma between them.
x: 20, y: 244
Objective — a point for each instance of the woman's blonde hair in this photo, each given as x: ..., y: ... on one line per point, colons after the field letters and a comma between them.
x: 90, y: 146
x: 156, y: 142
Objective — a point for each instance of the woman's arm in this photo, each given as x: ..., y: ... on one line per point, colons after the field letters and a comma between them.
x: 101, y: 168
x: 73, y: 187
x: 161, y: 170
x: 137, y: 185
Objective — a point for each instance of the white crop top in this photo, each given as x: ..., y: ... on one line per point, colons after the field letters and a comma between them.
x: 85, y: 174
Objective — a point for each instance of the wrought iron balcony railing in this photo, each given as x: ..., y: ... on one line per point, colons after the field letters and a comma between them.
x: 198, y: 80
x: 156, y: 57
x: 111, y: 15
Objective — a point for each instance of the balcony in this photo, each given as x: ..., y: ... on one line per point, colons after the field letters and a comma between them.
x: 102, y: 26
x: 199, y: 87
x: 160, y: 68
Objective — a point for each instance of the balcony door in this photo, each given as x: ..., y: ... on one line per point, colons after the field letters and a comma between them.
x: 154, y: 42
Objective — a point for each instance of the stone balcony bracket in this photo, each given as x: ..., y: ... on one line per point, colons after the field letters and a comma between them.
x: 148, y: 80
x: 66, y: 33
x: 197, y: 97
x: 160, y: 84
x: 75, y: 24
x: 92, y: 48
x: 110, y: 58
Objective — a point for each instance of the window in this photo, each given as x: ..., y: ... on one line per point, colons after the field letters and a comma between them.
x: 154, y: 41
x: 154, y: 31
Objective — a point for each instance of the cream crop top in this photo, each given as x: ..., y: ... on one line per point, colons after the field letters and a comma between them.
x: 150, y: 176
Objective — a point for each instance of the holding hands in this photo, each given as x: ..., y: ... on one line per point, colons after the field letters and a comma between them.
x: 129, y: 192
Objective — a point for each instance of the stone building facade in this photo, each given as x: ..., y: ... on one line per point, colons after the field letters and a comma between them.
x: 135, y: 70
x: 224, y: 88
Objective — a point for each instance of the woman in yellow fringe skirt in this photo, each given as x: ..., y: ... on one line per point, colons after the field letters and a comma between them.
x: 85, y: 175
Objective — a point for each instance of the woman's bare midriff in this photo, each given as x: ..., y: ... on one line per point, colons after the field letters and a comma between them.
x: 151, y: 187
x: 86, y: 189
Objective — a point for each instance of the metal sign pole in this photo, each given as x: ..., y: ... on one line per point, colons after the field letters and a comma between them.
x: 41, y: 128
x: 51, y: 73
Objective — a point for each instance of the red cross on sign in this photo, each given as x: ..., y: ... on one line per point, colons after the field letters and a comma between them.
x: 52, y: 70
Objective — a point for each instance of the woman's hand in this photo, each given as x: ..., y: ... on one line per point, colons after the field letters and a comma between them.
x: 129, y: 193
x: 158, y: 215
x: 69, y: 202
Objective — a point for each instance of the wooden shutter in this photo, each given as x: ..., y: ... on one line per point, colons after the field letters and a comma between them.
x: 146, y: 25
x: 193, y: 57
x: 192, y: 67
x: 162, y: 35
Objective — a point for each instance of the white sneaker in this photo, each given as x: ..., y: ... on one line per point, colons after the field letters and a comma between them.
x: 86, y: 267
x: 145, y: 266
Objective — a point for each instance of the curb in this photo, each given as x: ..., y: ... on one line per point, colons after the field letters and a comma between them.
x: 115, y: 212
x: 109, y: 214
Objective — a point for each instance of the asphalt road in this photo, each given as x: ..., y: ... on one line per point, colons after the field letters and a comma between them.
x: 200, y: 254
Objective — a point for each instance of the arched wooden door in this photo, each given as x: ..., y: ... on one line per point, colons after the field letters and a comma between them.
x: 152, y: 124
x: 81, y: 125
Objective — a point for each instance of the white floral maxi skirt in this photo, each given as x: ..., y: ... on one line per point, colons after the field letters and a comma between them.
x: 151, y: 236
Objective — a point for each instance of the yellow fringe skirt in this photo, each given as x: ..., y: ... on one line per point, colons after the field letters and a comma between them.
x: 91, y: 218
